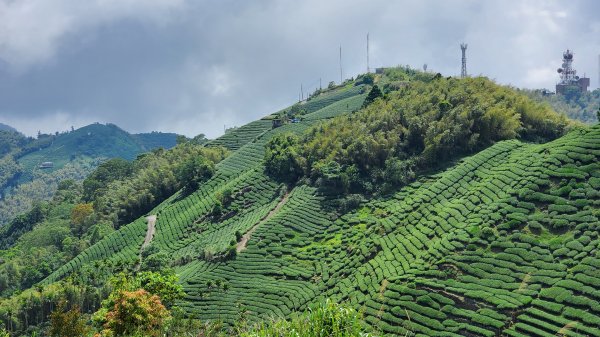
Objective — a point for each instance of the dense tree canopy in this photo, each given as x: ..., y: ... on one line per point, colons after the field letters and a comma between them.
x: 416, y: 127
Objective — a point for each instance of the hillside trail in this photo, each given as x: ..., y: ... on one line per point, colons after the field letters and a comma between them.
x: 150, y: 232
x: 149, y: 236
x: 246, y: 237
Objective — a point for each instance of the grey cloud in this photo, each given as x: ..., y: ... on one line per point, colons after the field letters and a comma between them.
x: 194, y: 66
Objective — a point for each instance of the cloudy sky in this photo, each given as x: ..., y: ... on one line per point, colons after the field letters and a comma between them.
x: 194, y: 66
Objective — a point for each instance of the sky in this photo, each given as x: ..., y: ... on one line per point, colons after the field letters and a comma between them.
x: 199, y: 66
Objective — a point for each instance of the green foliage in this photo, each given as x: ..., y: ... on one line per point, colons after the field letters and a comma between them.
x: 66, y: 322
x: 42, y: 187
x: 281, y: 157
x: 469, y: 250
x: 581, y: 106
x: 425, y: 123
x: 325, y: 320
x: 374, y: 93
x: 139, y: 304
x: 194, y: 171
x: 107, y: 172
x: 136, y: 313
x: 155, y: 176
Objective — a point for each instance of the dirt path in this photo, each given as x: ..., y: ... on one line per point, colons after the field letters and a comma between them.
x: 244, y: 240
x: 150, y: 232
x: 149, y: 235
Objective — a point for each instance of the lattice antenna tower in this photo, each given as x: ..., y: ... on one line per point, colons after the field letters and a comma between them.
x: 463, y: 71
x: 568, y: 75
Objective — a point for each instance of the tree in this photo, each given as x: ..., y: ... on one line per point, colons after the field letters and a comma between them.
x: 373, y: 95
x: 136, y: 312
x: 80, y: 213
x: 107, y: 172
x: 194, y: 171
x: 67, y: 323
x: 281, y: 157
x: 598, y: 115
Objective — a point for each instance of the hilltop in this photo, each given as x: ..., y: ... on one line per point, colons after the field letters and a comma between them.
x: 436, y: 206
x: 4, y: 127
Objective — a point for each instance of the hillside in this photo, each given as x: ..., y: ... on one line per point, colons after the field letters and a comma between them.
x: 494, y: 233
x: 73, y: 155
x: 94, y: 141
x: 4, y: 127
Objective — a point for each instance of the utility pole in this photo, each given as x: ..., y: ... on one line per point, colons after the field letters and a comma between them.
x: 320, y: 87
x: 302, y: 91
x: 368, y: 69
x: 341, y: 70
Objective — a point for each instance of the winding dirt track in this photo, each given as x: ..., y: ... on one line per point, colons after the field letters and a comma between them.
x: 150, y: 232
x: 244, y: 240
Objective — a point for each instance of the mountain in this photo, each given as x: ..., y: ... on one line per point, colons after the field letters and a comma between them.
x: 155, y: 140
x: 93, y: 141
x: 4, y: 127
x: 436, y: 206
x: 32, y: 168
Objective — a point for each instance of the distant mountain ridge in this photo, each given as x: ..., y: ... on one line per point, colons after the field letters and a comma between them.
x: 31, y: 167
x: 4, y: 127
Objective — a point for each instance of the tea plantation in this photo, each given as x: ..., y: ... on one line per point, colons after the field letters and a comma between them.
x: 504, y: 243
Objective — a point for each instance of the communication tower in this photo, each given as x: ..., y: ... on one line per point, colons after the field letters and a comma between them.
x: 463, y: 71
x: 568, y: 75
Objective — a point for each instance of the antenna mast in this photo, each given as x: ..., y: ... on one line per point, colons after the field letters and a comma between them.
x: 463, y: 71
x: 368, y: 69
x: 341, y: 71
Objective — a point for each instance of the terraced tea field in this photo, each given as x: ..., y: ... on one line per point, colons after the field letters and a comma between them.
x: 505, y: 243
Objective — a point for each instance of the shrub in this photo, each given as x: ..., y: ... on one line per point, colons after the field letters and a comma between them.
x: 66, y: 323
x: 326, y: 320
x: 281, y: 158
x: 136, y: 312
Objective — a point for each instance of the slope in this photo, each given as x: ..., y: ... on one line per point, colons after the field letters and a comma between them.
x: 185, y: 227
x: 92, y: 141
x: 4, y: 127
x: 503, y: 243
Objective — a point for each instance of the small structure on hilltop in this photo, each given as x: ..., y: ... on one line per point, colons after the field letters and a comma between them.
x: 277, y: 122
x: 46, y: 165
x: 568, y: 76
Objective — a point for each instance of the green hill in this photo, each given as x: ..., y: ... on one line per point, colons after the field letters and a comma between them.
x: 73, y: 155
x: 4, y: 127
x: 155, y: 140
x: 493, y: 233
x: 92, y: 141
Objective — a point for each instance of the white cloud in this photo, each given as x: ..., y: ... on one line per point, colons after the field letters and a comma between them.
x: 49, y: 122
x: 192, y: 66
